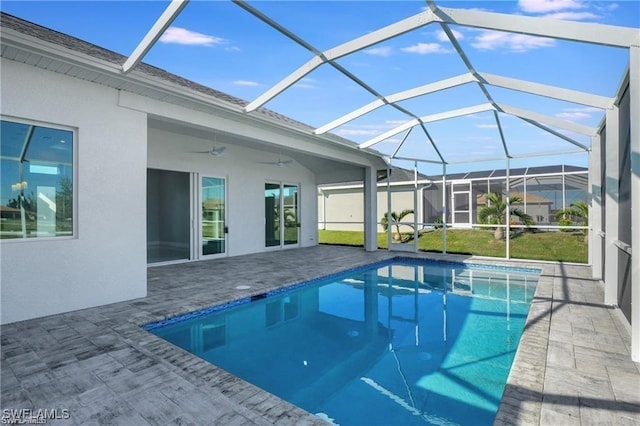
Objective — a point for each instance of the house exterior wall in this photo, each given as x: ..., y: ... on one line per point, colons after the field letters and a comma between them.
x: 345, y: 205
x: 343, y: 209
x: 106, y: 260
x: 539, y: 212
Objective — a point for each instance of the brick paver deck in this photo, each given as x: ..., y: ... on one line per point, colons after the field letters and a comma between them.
x: 573, y: 364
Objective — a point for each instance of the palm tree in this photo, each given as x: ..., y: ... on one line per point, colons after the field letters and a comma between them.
x: 395, y: 221
x: 577, y: 213
x: 496, y: 212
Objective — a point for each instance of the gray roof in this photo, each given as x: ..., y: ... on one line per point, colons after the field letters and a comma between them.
x: 524, y: 171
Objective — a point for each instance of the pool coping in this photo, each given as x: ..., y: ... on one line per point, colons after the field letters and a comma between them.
x: 522, y: 398
x: 337, y: 275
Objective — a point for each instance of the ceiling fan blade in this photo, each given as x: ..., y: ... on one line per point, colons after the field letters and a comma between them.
x: 218, y: 150
x: 279, y: 163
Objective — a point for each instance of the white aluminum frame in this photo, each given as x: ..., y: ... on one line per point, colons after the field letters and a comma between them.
x: 592, y: 33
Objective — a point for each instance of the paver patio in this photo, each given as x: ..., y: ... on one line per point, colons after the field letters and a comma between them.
x: 573, y: 365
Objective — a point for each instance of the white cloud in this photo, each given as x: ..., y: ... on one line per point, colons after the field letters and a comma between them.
x: 179, y: 35
x: 585, y: 109
x: 245, y: 83
x: 356, y: 132
x: 395, y: 122
x: 379, y: 51
x: 306, y: 83
x: 442, y: 36
x: 546, y: 6
x: 572, y: 16
x: 487, y: 126
x: 480, y: 138
x: 573, y: 115
x: 232, y: 49
x: 368, y: 129
x: 493, y: 40
x: 581, y: 113
x: 606, y: 7
x: 392, y: 141
x: 425, y: 48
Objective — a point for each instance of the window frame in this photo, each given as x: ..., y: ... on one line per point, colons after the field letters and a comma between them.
x: 74, y: 177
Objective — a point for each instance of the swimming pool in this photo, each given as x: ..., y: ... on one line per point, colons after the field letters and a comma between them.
x: 400, y: 342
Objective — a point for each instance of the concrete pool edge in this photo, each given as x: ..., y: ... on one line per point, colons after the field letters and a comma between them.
x: 521, y: 401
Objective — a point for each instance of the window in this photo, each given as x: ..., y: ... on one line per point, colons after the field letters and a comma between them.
x: 36, y: 170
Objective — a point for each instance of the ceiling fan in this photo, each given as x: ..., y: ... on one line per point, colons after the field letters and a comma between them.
x: 216, y: 151
x: 279, y: 163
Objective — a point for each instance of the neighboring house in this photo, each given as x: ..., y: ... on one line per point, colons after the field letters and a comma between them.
x: 137, y: 168
x: 10, y: 213
x: 544, y: 190
x: 341, y: 206
x: 539, y: 208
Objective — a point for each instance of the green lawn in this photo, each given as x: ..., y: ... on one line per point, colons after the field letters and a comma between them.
x: 558, y: 246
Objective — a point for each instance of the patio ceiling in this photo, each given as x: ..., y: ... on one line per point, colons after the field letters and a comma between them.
x: 413, y: 123
x: 326, y: 169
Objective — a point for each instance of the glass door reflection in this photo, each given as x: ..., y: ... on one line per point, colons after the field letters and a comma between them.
x: 213, y: 216
x: 272, y: 214
x: 290, y: 213
x: 282, y: 214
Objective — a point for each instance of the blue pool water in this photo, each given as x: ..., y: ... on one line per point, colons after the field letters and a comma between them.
x: 402, y: 342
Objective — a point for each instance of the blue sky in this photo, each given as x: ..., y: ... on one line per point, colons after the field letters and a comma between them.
x: 220, y: 45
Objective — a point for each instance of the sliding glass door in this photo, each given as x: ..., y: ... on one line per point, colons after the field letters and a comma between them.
x: 186, y: 216
x: 168, y: 216
x: 213, y: 218
x: 289, y: 219
x: 282, y: 225
x: 272, y: 214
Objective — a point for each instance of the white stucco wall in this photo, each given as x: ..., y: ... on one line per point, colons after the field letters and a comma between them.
x: 246, y: 177
x: 347, y: 206
x: 106, y: 261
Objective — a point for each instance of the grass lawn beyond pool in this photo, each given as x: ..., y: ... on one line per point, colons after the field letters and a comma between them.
x: 555, y: 246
